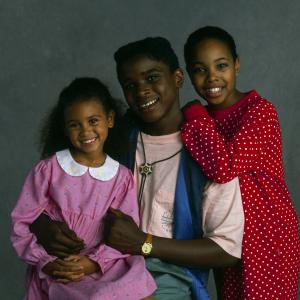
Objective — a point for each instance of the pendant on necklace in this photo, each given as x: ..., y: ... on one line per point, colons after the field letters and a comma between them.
x: 145, y: 169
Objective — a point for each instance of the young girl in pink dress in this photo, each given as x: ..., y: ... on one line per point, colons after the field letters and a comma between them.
x: 238, y: 134
x: 77, y: 184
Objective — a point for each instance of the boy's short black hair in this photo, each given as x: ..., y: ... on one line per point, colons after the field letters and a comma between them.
x: 208, y: 32
x: 156, y: 48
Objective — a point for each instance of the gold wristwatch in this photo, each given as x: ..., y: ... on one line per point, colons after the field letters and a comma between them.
x: 147, y: 246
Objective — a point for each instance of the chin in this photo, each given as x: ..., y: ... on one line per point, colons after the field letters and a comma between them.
x: 214, y: 101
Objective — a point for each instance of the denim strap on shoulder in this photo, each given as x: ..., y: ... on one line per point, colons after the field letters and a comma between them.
x: 188, y: 216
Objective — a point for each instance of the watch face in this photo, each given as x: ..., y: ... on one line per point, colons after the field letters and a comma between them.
x: 146, y: 248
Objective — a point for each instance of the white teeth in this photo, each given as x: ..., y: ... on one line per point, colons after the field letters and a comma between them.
x: 89, y: 141
x: 214, y: 90
x: 145, y: 105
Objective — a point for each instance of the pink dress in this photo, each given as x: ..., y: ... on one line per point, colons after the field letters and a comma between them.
x: 80, y: 197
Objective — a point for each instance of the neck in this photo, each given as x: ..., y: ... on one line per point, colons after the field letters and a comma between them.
x: 234, y: 98
x: 164, y: 127
x: 89, y: 159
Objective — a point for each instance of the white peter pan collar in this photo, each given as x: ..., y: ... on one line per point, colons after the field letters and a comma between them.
x: 104, y: 173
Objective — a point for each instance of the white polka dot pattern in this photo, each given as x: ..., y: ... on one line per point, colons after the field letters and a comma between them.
x: 245, y: 141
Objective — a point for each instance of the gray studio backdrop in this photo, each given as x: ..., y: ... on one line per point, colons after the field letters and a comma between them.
x: 45, y: 44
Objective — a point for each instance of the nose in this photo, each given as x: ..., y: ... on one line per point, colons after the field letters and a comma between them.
x: 211, y: 76
x: 143, y: 90
x: 85, y: 128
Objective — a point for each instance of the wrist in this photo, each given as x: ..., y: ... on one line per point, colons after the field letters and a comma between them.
x: 90, y: 266
x: 147, y: 245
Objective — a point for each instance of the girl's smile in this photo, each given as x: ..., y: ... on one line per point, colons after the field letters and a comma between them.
x: 86, y: 125
x: 213, y: 73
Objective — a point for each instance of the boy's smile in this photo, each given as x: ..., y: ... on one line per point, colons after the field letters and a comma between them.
x: 151, y: 90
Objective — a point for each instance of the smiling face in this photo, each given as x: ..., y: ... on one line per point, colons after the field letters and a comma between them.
x: 152, y: 92
x: 213, y: 73
x: 86, y: 125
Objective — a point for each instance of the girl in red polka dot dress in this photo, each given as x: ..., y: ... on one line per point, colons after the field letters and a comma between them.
x: 238, y: 134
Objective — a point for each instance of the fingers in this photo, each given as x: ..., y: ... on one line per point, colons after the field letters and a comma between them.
x: 116, y: 212
x: 73, y: 258
x: 60, y: 250
x: 59, y: 254
x: 65, y: 243
x: 68, y: 270
x: 70, y: 234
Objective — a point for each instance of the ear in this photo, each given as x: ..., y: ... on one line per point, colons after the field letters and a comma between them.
x: 237, y: 65
x: 111, y: 119
x: 179, y: 77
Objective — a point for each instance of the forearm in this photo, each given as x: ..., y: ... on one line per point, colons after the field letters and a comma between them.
x: 195, y: 253
x: 41, y: 222
x: 229, y: 157
x: 125, y: 236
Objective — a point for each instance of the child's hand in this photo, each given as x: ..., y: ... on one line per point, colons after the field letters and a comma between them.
x: 88, y: 265
x: 193, y: 109
x: 64, y: 271
x: 191, y: 103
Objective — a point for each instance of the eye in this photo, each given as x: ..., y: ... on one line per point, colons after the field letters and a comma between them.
x: 93, y: 121
x: 198, y: 69
x: 222, y: 66
x: 128, y: 86
x: 153, y: 77
x: 72, y: 125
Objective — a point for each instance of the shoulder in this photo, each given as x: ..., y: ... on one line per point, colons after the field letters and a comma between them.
x: 125, y: 172
x: 45, y: 164
x: 259, y: 108
x: 42, y: 169
x: 259, y: 103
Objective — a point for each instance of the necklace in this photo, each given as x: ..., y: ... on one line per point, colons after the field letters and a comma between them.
x: 145, y: 169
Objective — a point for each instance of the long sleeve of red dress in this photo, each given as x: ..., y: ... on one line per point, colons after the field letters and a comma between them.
x: 229, y: 146
x: 245, y: 141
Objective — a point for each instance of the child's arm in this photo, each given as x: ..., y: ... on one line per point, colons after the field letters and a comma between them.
x: 31, y: 203
x: 223, y: 160
x: 223, y: 230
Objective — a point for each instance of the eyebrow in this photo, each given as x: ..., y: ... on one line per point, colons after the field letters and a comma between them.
x: 216, y: 60
x: 144, y: 73
x: 89, y: 117
x: 152, y: 70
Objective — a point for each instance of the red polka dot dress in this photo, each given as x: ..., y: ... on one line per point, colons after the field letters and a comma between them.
x: 244, y: 140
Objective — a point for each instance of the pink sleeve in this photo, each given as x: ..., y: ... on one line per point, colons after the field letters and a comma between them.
x: 223, y: 221
x: 31, y: 203
x: 223, y: 160
x: 126, y: 201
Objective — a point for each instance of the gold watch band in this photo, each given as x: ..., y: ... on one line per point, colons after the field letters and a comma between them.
x: 147, y: 245
x: 149, y: 238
